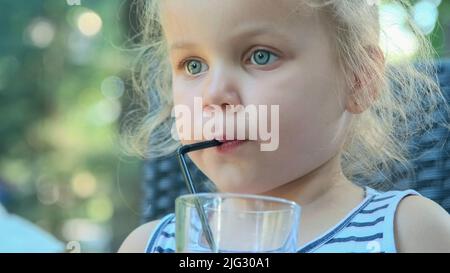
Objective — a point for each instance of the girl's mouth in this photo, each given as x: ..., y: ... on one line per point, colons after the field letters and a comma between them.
x: 229, y: 145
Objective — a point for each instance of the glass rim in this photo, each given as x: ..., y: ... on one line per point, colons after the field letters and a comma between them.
x: 187, y: 200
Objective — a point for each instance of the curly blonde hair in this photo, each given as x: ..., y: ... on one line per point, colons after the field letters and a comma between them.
x: 408, y: 94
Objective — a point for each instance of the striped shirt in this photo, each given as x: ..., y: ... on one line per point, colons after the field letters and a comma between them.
x: 369, y: 227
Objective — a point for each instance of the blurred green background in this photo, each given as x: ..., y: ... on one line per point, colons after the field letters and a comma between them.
x: 63, y: 79
x: 64, y: 72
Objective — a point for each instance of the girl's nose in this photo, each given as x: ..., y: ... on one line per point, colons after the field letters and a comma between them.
x: 221, y: 89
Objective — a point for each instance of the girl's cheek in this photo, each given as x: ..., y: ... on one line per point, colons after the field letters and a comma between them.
x: 178, y: 94
x: 185, y: 94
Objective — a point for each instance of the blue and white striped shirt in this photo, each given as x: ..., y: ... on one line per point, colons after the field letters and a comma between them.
x: 369, y: 227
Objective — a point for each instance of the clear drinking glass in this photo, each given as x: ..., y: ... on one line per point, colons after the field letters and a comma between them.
x: 235, y: 223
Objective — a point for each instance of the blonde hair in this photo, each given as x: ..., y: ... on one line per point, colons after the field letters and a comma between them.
x: 407, y: 94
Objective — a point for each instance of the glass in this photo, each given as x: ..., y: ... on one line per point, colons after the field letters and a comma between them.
x: 235, y: 223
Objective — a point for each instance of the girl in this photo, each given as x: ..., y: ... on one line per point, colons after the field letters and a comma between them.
x: 340, y: 116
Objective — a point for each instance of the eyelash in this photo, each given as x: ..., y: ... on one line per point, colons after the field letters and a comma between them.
x: 182, y: 64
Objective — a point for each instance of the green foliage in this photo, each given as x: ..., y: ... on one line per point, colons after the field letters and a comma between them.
x: 58, y: 130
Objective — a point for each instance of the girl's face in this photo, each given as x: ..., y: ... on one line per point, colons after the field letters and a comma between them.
x: 259, y: 52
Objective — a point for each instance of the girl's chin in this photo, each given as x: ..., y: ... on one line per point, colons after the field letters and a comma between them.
x: 238, y: 188
x: 233, y: 188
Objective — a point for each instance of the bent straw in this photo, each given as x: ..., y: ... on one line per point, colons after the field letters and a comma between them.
x: 190, y: 185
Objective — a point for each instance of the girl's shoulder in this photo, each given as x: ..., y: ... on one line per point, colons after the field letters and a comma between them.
x: 393, y: 221
x: 161, y: 239
x: 137, y: 240
x: 421, y: 225
x: 369, y: 227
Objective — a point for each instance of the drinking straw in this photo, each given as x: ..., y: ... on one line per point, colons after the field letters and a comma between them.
x: 181, y: 152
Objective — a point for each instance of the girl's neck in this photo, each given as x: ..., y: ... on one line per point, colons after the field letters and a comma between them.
x: 318, y: 186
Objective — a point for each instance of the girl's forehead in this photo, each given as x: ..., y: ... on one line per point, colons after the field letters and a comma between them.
x: 190, y: 16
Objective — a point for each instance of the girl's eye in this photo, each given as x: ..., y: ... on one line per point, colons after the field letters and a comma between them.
x: 194, y: 67
x: 258, y: 57
x: 263, y: 57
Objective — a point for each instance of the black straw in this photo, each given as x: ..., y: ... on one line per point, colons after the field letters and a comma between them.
x: 190, y: 185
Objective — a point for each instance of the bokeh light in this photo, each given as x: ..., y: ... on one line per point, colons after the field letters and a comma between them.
x: 89, y: 23
x: 105, y: 112
x: 396, y: 40
x: 113, y: 87
x: 41, y: 32
x: 91, y: 236
x: 425, y: 14
x: 47, y: 191
x: 100, y: 209
x: 84, y: 184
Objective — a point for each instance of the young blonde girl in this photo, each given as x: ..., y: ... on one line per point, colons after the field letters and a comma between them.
x: 345, y: 112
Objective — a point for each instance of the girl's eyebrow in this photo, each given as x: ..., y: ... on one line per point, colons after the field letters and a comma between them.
x: 181, y: 45
x: 245, y: 33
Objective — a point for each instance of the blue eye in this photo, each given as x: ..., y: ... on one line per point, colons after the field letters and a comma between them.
x: 194, y: 67
x: 263, y: 57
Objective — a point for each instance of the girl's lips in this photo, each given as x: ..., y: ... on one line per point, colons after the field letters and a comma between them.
x: 229, y: 145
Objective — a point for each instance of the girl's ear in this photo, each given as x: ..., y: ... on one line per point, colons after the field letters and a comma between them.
x: 366, y: 85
